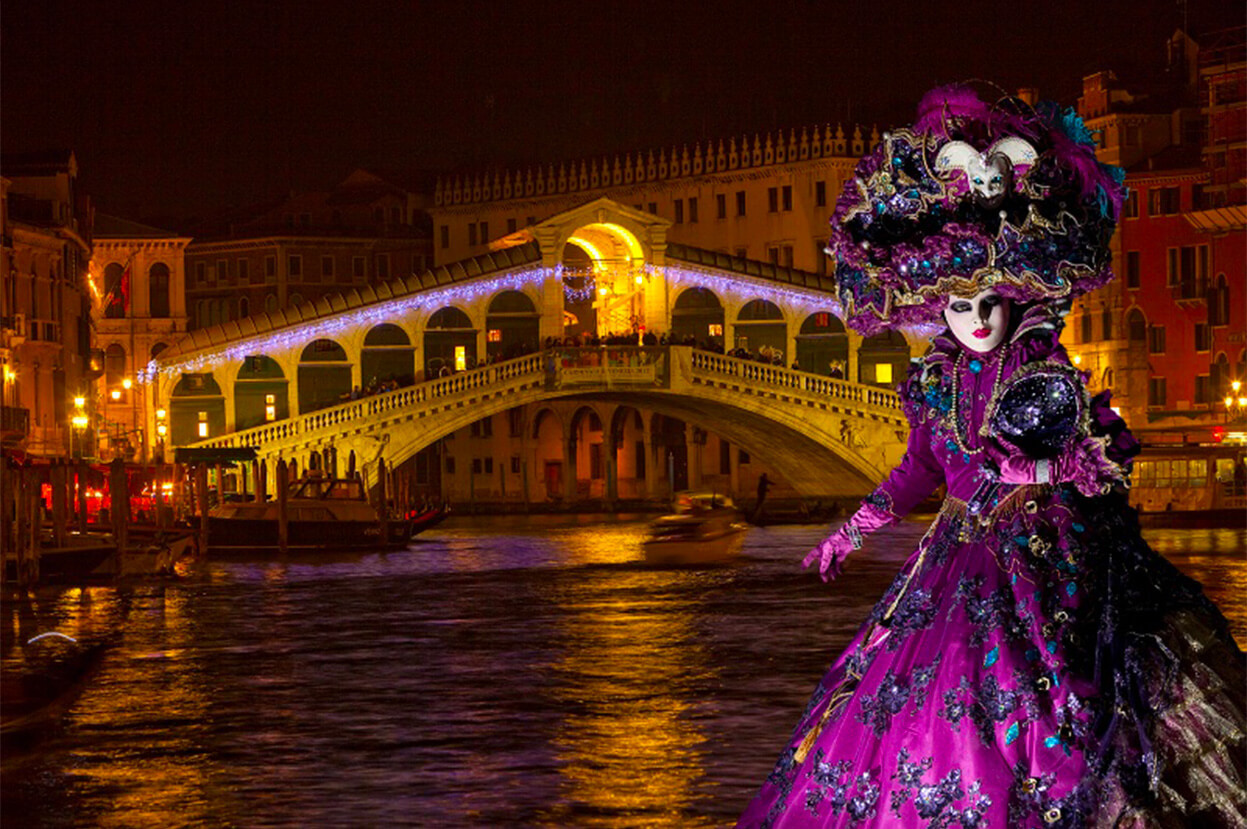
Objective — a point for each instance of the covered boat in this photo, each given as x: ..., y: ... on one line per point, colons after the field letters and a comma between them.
x: 323, y: 514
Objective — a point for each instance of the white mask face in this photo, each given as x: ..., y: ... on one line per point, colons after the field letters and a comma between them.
x: 978, y: 322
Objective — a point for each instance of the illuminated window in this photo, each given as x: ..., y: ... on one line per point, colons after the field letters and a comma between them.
x: 461, y: 358
x: 270, y: 407
x: 716, y: 329
x: 495, y: 335
x: 883, y: 372
x: 203, y: 424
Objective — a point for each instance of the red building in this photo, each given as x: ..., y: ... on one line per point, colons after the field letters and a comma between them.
x: 1169, y: 335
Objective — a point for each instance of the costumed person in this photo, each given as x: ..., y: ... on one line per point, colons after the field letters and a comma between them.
x: 1035, y: 663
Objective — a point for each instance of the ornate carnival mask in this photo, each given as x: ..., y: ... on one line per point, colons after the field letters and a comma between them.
x: 989, y: 174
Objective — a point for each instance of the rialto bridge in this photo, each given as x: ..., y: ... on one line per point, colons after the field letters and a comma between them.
x: 580, y: 358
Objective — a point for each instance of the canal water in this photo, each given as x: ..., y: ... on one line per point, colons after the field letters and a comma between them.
x: 499, y: 672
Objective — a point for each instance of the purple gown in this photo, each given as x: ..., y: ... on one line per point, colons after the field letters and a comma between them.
x: 1034, y: 664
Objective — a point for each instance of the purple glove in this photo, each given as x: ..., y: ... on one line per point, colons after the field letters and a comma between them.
x: 1085, y: 464
x: 835, y: 548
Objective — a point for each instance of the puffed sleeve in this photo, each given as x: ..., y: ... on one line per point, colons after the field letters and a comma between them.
x: 913, y: 479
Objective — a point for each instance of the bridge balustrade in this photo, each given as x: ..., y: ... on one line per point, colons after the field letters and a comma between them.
x: 614, y: 366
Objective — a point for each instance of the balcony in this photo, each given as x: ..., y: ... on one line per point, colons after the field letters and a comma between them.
x: 14, y: 425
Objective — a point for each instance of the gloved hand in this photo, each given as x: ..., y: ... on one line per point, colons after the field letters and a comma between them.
x: 835, y: 548
x: 1084, y: 464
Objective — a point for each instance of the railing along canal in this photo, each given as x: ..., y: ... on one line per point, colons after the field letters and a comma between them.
x: 785, y: 378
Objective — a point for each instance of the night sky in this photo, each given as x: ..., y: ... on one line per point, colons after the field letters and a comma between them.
x: 181, y: 109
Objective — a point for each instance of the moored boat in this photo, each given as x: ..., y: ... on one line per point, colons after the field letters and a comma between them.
x: 322, y: 514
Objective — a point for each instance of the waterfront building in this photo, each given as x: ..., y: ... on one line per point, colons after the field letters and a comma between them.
x: 140, y: 276
x: 762, y: 197
x: 48, y: 366
x: 1169, y: 335
x: 365, y: 231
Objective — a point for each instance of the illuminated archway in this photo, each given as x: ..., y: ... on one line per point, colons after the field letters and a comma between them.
x: 604, y: 281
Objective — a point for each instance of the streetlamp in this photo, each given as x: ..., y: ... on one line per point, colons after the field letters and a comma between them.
x: 80, y: 421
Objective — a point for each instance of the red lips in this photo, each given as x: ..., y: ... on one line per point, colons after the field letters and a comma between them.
x: 982, y: 333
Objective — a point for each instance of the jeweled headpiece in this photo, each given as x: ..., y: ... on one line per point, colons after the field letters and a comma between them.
x: 973, y: 196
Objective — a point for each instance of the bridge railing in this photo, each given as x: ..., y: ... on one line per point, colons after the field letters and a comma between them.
x: 370, y: 407
x: 561, y: 368
x: 779, y: 377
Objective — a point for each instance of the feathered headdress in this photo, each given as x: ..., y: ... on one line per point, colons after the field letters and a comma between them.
x: 973, y: 196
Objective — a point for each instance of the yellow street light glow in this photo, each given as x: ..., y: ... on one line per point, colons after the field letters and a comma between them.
x: 1229, y: 401
x: 127, y: 384
x: 161, y: 429
x: 115, y: 394
x: 1077, y: 359
x: 80, y: 421
x: 1236, y: 385
x: 160, y: 414
x: 639, y: 279
x: 1242, y: 401
x: 79, y: 402
x: 587, y: 246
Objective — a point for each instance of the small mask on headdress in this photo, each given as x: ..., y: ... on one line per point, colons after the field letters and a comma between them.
x: 990, y: 174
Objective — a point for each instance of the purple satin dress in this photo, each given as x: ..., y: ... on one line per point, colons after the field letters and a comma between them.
x: 1034, y: 663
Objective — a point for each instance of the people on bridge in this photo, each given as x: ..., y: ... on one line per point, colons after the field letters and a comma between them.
x: 1035, y: 663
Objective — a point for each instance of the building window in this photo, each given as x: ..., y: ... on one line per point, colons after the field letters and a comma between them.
x: 1156, y: 339
x: 742, y: 457
x: 820, y: 256
x: 1132, y: 205
x: 484, y: 233
x: 1163, y: 201
x: 471, y: 233
x: 1171, y: 267
x: 742, y: 253
x: 820, y: 194
x: 1106, y: 322
x: 787, y: 194
x: 1156, y: 392
x: 357, y: 267
x: 1203, y: 389
x: 653, y: 207
x: 772, y: 199
x: 244, y: 271
x: 720, y: 206
x: 270, y: 269
x: 515, y: 464
x: 1136, y: 326
x: 692, y: 210
x: 158, y: 290
x: 445, y: 230
x: 383, y: 266
x: 1132, y: 269
x: 510, y: 226
x: 244, y: 307
x: 450, y: 464
x: 788, y: 256
x: 1219, y: 302
x: 1085, y: 329
x: 270, y: 303
x: 294, y: 266
x: 326, y: 267
x: 489, y: 466
x: 201, y: 273
x: 772, y: 255
x: 679, y: 211
x: 1203, y: 337
x: 740, y: 203
x: 222, y: 270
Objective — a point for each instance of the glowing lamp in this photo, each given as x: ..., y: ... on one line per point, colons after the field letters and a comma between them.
x: 1229, y: 401
x: 79, y: 402
x: 161, y: 429
x: 1242, y: 401
x: 80, y: 421
x: 160, y: 414
x: 127, y: 384
x: 639, y: 279
x: 883, y: 372
x: 115, y: 394
x: 1236, y: 385
x: 1077, y: 359
x: 203, y: 429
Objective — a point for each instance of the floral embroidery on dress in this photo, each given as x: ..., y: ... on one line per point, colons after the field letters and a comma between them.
x: 893, y: 694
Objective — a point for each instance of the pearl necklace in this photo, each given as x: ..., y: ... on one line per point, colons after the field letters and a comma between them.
x: 954, y: 425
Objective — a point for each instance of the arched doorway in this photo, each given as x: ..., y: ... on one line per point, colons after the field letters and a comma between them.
x: 667, y: 435
x: 627, y: 443
x: 196, y: 409
x: 116, y: 291
x: 1136, y: 327
x: 760, y: 325
x: 822, y: 343
x: 548, y: 455
x: 324, y: 375
x: 882, y: 359
x: 512, y: 326
x: 697, y: 315
x: 388, y: 356
x: 588, y: 453
x: 261, y: 393
x: 449, y: 342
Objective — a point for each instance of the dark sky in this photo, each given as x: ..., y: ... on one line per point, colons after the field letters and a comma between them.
x: 181, y: 108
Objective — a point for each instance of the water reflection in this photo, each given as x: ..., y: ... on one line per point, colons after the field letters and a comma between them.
x: 497, y: 673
